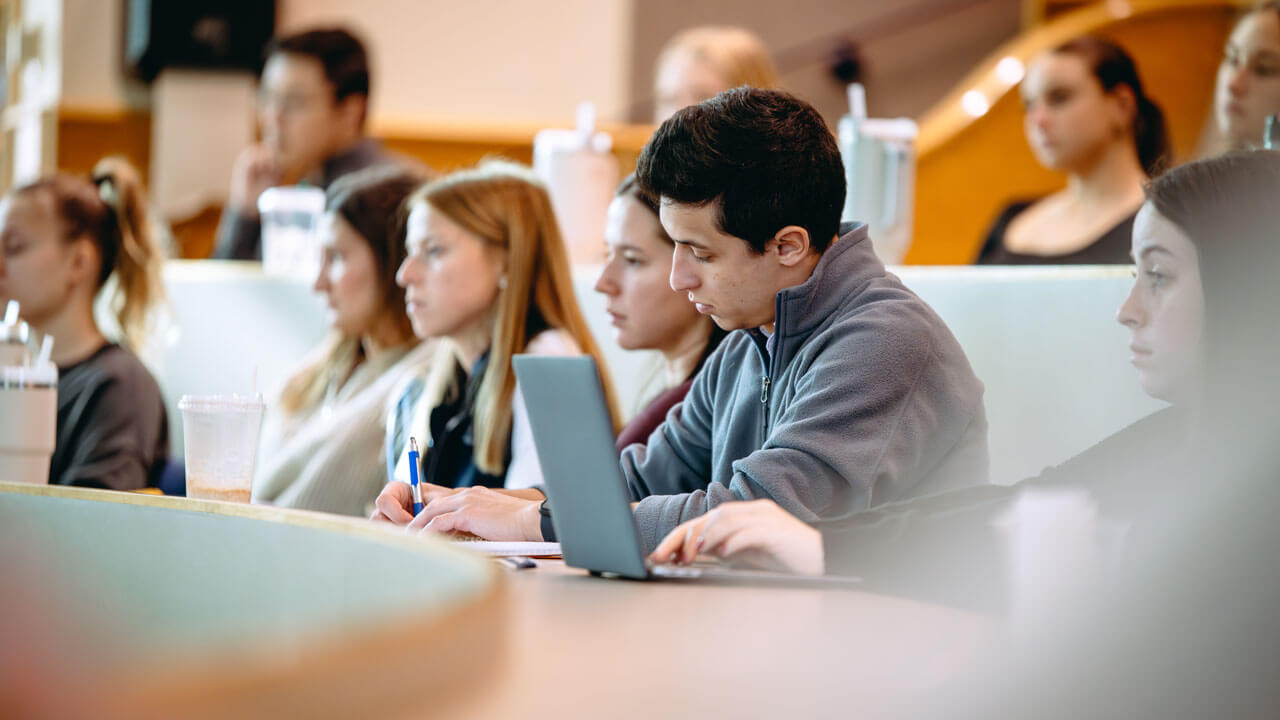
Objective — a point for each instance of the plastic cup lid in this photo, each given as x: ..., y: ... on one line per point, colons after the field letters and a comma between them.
x: 292, y: 198
x: 218, y: 403
x: 18, y: 376
x: 18, y: 332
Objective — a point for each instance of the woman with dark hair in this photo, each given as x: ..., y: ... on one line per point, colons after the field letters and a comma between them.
x: 1184, y: 622
x: 321, y: 445
x: 65, y: 242
x: 1248, y: 87
x: 1088, y: 116
x: 647, y: 313
x: 1206, y: 249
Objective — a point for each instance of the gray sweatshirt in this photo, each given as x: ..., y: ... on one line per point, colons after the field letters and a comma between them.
x: 862, y: 396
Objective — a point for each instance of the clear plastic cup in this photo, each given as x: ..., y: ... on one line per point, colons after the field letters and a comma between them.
x: 220, y: 433
x: 290, y: 222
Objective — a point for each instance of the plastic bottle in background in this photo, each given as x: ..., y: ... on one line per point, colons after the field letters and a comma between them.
x: 581, y: 174
x: 290, y: 223
x: 28, y: 422
x: 28, y: 403
x: 880, y: 171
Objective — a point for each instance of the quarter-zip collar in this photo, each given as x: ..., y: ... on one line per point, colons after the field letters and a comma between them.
x: 846, y: 267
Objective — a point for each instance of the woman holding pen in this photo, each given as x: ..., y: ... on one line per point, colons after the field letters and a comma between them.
x: 487, y: 275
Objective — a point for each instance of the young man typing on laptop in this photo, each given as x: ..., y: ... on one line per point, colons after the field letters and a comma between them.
x: 843, y: 389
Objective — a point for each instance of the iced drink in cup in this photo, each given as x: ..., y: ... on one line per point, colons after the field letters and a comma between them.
x: 220, y: 433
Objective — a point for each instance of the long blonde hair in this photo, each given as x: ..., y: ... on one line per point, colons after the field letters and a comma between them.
x: 109, y: 208
x: 506, y: 205
x: 737, y: 53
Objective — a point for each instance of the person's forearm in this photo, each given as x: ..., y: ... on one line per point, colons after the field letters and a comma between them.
x: 524, y: 493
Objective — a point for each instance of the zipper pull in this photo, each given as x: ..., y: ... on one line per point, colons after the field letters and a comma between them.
x: 764, y: 390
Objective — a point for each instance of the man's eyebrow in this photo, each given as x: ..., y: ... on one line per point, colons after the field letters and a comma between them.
x: 1154, y: 249
x: 690, y: 243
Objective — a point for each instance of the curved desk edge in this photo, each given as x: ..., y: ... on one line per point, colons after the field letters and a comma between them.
x: 393, y: 667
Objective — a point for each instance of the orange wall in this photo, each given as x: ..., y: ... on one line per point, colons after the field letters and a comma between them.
x: 965, y: 179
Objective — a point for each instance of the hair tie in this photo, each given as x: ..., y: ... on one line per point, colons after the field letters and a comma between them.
x: 109, y: 243
x: 107, y: 192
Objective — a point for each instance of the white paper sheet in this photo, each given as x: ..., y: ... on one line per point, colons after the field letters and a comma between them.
x: 513, y: 549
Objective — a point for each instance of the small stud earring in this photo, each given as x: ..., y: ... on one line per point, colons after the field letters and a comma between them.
x: 502, y: 282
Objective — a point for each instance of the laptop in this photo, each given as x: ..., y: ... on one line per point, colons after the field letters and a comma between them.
x: 591, y: 506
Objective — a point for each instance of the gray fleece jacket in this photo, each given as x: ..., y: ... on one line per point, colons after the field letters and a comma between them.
x: 862, y: 396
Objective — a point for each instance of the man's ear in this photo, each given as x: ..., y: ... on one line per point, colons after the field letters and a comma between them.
x: 791, y: 243
x: 351, y: 111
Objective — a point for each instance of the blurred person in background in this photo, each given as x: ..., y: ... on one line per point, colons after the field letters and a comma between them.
x: 1088, y: 116
x: 322, y: 441
x: 313, y: 104
x: 66, y: 241
x: 1248, y: 87
x: 646, y: 312
x: 702, y: 62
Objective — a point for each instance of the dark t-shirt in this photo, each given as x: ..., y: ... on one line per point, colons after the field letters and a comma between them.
x: 1112, y: 248
x: 113, y: 431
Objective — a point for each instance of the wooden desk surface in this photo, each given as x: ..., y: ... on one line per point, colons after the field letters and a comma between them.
x: 546, y: 642
x: 591, y: 647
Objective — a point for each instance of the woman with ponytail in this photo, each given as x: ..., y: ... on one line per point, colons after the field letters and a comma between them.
x: 1088, y: 116
x: 64, y: 241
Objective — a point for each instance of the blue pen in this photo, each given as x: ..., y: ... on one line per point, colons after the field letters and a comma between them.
x: 413, y: 476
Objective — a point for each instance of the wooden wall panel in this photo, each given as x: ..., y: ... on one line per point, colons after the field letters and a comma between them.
x: 86, y: 136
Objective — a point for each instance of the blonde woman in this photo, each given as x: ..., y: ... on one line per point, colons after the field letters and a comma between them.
x: 702, y: 62
x: 64, y: 241
x: 488, y: 276
x: 1248, y: 87
x: 322, y: 442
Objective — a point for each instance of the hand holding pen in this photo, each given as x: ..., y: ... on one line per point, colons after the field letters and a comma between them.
x: 413, y: 476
